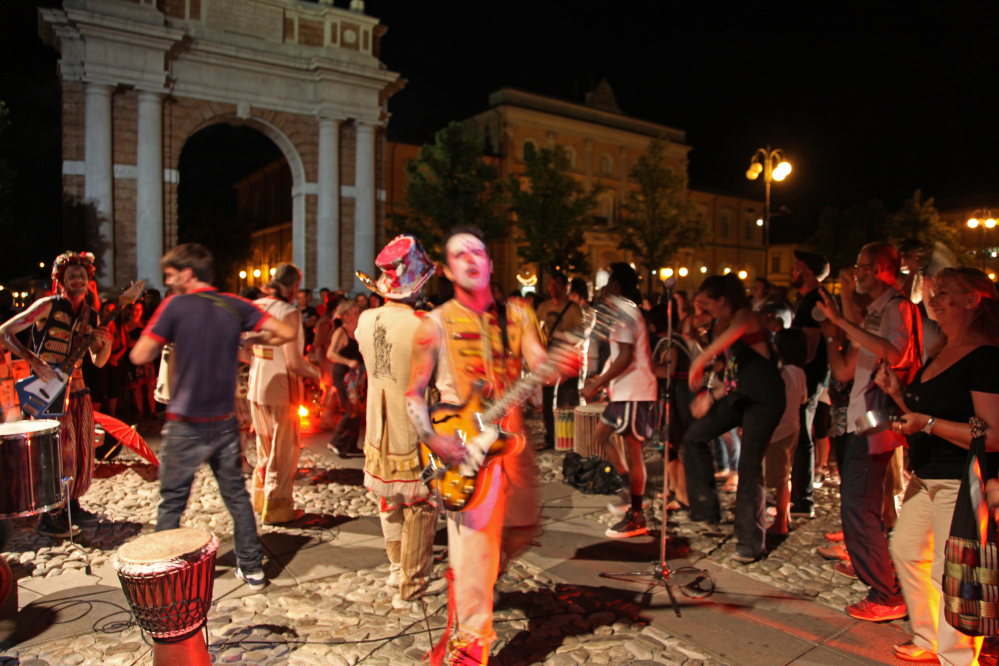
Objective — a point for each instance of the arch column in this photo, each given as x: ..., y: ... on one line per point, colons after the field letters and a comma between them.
x: 98, y: 188
x: 328, y: 213
x: 364, y: 207
x: 149, y: 190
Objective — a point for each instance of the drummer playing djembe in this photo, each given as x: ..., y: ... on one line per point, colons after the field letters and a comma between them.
x: 63, y: 322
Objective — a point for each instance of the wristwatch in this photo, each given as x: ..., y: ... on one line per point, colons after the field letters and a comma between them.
x: 928, y: 428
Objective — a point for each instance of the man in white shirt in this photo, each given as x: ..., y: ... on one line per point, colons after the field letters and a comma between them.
x: 632, y: 390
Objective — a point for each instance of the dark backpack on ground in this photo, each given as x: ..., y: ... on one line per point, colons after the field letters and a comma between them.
x: 593, y: 475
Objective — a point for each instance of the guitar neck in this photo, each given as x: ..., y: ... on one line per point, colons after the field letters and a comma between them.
x: 520, y: 392
x: 66, y: 367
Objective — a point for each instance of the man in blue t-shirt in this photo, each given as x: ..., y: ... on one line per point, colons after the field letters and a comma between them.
x: 205, y: 328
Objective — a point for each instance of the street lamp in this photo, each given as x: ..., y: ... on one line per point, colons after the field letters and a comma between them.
x: 773, y: 165
x: 985, y: 218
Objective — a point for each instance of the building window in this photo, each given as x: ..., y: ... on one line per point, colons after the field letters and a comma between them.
x: 607, y: 207
x: 748, y: 229
x: 775, y: 264
x: 570, y: 154
x: 529, y: 147
x: 725, y: 223
x: 606, y: 165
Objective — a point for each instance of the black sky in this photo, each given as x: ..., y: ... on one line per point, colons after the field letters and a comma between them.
x: 869, y: 101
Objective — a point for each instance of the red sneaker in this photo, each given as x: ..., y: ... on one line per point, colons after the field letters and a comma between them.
x: 846, y: 569
x: 872, y: 612
x: 835, y: 536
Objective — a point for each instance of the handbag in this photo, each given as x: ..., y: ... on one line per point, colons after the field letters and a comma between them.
x: 971, y: 560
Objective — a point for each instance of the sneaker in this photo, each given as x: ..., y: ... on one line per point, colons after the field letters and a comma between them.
x: 846, y: 569
x: 633, y: 524
x: 745, y: 559
x: 394, y: 578
x: 909, y: 651
x: 619, y: 510
x: 255, y: 580
x: 837, y: 551
x: 56, y: 526
x: 81, y: 516
x: 835, y: 536
x: 872, y: 612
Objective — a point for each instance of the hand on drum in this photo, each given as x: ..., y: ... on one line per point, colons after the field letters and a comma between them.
x: 591, y: 387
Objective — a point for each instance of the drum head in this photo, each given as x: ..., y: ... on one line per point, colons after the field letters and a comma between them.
x: 18, y: 428
x: 595, y: 408
x: 163, y: 546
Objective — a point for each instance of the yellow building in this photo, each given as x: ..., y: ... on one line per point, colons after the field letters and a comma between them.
x: 603, y: 145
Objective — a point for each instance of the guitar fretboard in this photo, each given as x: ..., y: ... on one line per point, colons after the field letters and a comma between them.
x: 520, y: 392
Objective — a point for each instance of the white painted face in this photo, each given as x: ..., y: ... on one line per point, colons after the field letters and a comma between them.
x: 468, y: 263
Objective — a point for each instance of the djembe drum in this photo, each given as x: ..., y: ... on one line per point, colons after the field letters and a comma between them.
x: 168, y: 578
x: 585, y: 436
x: 565, y: 420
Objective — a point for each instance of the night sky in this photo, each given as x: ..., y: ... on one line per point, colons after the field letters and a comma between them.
x: 867, y: 101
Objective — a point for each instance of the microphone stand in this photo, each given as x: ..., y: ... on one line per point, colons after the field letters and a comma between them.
x: 661, y: 571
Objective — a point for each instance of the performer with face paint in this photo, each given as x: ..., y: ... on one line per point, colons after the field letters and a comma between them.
x: 467, y: 339
x: 64, y: 320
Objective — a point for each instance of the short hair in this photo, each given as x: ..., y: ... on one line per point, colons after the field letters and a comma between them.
x: 779, y: 310
x: 344, y: 307
x: 559, y: 275
x: 287, y: 275
x: 195, y: 256
x: 579, y: 287
x: 625, y: 276
x: 792, y: 346
x: 324, y: 290
x: 766, y: 282
x: 659, y: 317
x: 250, y: 293
x: 304, y: 291
x: 885, y: 256
x: 461, y: 229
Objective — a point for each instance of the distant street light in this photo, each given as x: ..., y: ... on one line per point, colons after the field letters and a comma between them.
x: 986, y: 224
x: 774, y: 166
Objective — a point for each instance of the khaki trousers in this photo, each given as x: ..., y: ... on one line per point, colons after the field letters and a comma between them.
x: 917, y: 549
x: 409, y: 542
x: 277, y: 461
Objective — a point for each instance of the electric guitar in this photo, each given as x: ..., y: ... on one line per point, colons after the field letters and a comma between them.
x: 46, y: 400
x: 476, y: 425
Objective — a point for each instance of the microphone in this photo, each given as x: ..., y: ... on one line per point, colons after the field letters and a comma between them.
x: 669, y: 282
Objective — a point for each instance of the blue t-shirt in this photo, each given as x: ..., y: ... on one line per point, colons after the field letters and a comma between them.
x: 204, y: 328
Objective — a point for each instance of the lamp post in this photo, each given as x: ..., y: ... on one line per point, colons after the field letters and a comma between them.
x: 986, y: 224
x: 773, y: 166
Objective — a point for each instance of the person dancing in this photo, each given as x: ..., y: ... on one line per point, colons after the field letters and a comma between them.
x: 64, y: 321
x: 752, y: 396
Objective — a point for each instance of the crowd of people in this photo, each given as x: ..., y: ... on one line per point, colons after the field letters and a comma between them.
x: 763, y: 392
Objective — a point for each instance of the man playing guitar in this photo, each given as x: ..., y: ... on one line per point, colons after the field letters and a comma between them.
x: 64, y: 321
x: 465, y: 340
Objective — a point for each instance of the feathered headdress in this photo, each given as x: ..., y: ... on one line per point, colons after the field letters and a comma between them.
x: 66, y: 259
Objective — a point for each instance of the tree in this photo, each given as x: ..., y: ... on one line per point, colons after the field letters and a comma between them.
x: 15, y: 235
x: 659, y: 218
x: 841, y: 234
x: 919, y: 220
x: 448, y: 185
x: 226, y: 237
x: 552, y: 211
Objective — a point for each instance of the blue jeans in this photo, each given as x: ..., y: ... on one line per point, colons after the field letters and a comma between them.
x: 186, y: 446
x: 726, y: 449
x: 862, y: 491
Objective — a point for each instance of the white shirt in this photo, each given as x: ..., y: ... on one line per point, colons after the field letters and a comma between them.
x: 797, y: 395
x: 636, y: 383
x: 271, y: 382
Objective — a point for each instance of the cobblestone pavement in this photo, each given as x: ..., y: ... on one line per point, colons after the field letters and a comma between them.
x: 350, y: 619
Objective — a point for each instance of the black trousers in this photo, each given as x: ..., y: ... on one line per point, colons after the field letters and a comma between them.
x: 803, y: 466
x: 758, y: 421
x: 568, y: 395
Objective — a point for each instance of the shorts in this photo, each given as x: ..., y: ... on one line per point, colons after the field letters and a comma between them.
x: 632, y: 419
x: 779, y: 458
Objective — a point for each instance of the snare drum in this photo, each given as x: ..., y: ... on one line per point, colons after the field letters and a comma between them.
x: 30, y: 468
x: 168, y: 578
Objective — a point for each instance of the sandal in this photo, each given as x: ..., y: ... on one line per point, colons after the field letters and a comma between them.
x: 732, y: 485
x: 911, y: 652
x: 677, y: 505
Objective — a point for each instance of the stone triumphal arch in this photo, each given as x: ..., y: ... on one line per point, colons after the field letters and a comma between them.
x: 139, y: 77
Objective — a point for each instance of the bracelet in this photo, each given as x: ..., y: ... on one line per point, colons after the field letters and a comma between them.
x: 928, y: 428
x: 978, y: 427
